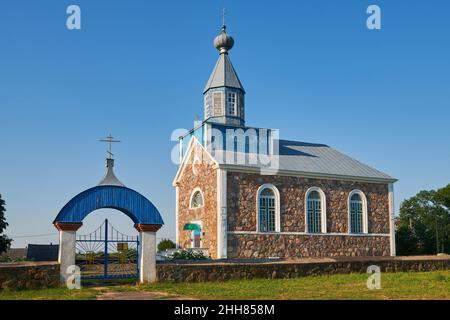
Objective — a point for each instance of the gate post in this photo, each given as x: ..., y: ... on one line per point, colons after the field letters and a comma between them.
x: 67, y: 243
x: 147, y: 252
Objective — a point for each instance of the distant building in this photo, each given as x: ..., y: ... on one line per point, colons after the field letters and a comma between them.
x: 309, y: 201
x: 42, y: 252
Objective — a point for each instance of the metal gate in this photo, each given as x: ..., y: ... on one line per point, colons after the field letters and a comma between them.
x: 106, y: 253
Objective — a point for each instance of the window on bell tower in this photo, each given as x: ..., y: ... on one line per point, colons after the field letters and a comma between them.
x: 218, y: 104
x: 208, y: 106
x: 231, y: 103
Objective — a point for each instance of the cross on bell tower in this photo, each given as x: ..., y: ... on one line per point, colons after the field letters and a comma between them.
x: 224, y: 95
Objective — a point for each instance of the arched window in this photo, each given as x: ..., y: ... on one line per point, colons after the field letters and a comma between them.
x: 196, y: 199
x: 357, y: 211
x: 316, y: 221
x: 268, y: 204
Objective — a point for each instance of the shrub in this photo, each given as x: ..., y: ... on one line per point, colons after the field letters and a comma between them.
x: 166, y: 244
x: 188, y: 254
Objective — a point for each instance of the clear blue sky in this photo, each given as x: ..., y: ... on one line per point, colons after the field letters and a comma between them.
x: 137, y: 70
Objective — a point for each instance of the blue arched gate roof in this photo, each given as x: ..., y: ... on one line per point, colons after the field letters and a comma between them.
x: 130, y: 202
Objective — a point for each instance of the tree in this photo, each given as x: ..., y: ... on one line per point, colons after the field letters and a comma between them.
x: 166, y: 244
x: 5, y: 242
x: 424, y: 224
x: 443, y: 197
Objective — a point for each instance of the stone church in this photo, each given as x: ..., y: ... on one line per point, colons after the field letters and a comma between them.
x: 242, y: 192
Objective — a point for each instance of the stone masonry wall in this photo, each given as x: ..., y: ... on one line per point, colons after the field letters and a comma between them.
x: 241, y: 201
x: 205, y: 179
x: 294, y: 246
x: 292, y: 269
x: 29, y: 275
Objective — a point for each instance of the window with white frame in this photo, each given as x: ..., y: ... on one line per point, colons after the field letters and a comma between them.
x: 231, y: 103
x: 357, y: 210
x: 315, y: 211
x: 196, y: 199
x: 268, y: 208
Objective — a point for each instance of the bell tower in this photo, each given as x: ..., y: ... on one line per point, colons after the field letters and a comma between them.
x: 224, y: 95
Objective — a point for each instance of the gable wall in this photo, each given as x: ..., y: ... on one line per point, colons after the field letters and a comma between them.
x: 206, y: 180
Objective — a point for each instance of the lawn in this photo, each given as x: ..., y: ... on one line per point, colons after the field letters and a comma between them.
x: 427, y: 285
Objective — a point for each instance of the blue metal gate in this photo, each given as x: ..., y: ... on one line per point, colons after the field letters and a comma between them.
x: 106, y: 253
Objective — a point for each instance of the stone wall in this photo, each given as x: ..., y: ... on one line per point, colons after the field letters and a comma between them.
x: 242, y: 217
x: 290, y: 246
x: 206, y: 180
x: 29, y: 275
x: 192, y: 272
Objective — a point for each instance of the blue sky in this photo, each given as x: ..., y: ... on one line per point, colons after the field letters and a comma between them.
x: 137, y: 68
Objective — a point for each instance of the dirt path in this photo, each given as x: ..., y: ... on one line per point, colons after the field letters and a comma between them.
x: 109, y: 294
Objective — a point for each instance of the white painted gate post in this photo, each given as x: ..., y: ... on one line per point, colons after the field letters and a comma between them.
x: 147, y: 252
x: 147, y: 264
x: 67, y: 243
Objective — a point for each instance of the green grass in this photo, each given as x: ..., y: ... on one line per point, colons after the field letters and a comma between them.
x: 431, y: 285
x: 49, y: 294
x: 426, y: 285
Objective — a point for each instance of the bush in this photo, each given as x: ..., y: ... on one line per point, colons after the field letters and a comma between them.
x: 166, y: 244
x: 188, y: 254
x: 8, y: 259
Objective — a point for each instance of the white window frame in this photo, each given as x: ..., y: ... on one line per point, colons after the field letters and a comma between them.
x: 364, y: 211
x: 277, y: 206
x: 229, y: 104
x: 192, y: 197
x: 323, y: 209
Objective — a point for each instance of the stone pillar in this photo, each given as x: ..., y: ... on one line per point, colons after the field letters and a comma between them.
x: 222, y: 219
x: 392, y: 219
x: 67, y: 242
x: 147, y: 252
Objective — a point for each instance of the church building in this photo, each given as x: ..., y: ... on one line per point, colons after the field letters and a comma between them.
x: 242, y: 192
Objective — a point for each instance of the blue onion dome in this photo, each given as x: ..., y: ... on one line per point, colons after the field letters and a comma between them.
x: 223, y: 42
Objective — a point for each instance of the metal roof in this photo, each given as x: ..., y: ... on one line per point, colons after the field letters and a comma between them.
x: 223, y: 75
x: 310, y: 158
x: 130, y: 202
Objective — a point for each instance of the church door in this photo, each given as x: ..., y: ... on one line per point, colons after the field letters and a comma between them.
x: 196, y: 239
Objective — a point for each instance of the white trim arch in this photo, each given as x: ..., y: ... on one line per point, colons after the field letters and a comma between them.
x: 365, y: 219
x: 192, y: 196
x: 323, y: 209
x: 277, y: 206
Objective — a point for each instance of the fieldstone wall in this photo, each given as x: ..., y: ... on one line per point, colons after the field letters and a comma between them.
x: 29, y: 275
x: 260, y: 245
x: 205, y: 179
x: 194, y: 272
x: 242, y: 215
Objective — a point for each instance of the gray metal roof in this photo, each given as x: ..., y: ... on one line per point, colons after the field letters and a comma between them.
x: 313, y: 159
x: 223, y: 75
